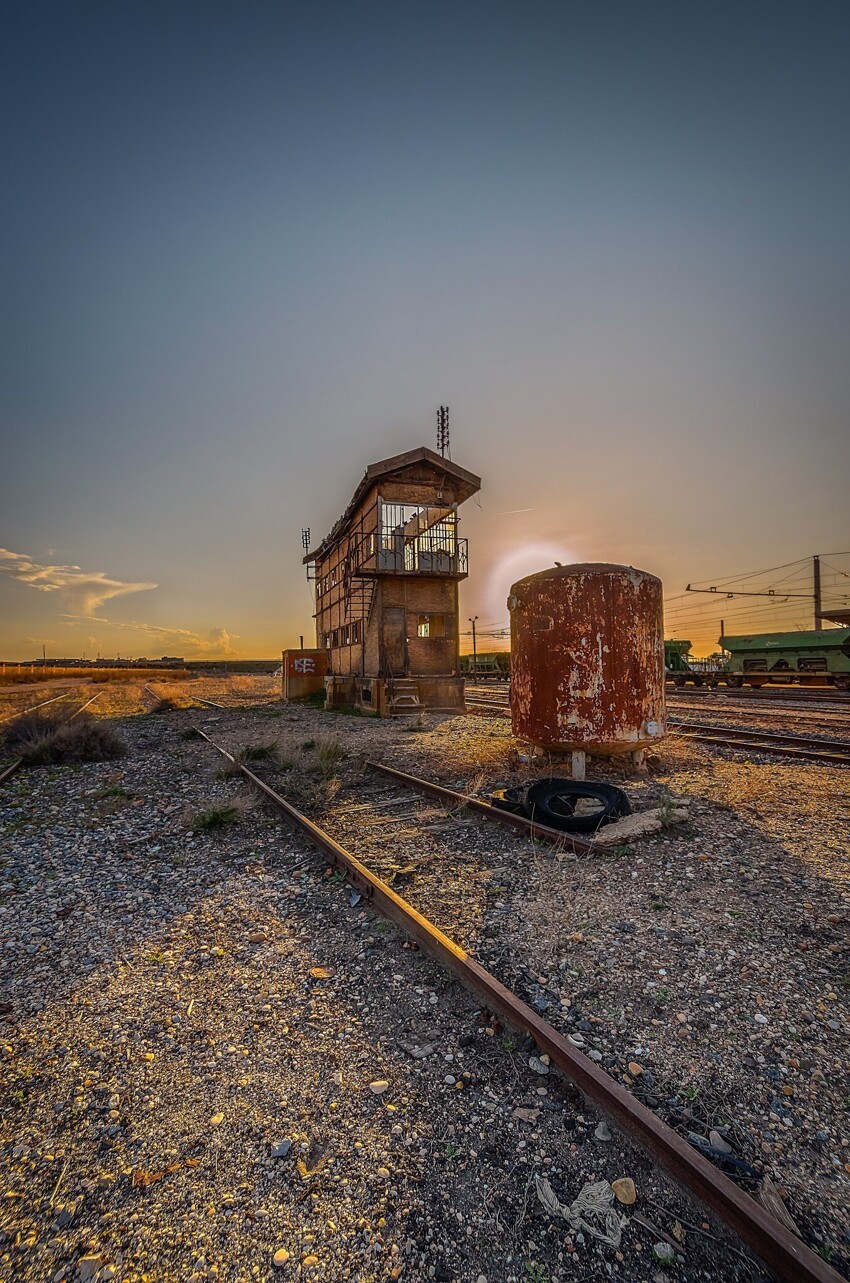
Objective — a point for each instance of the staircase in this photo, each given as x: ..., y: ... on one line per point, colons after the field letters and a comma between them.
x: 359, y: 594
x: 404, y: 696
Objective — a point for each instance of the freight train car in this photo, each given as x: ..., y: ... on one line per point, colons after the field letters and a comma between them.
x: 495, y: 664
x: 680, y: 667
x: 817, y: 657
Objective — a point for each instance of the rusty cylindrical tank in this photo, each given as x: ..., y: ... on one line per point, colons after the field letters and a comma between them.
x: 587, y: 659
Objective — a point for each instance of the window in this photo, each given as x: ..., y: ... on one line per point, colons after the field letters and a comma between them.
x: 431, y: 626
x: 418, y: 538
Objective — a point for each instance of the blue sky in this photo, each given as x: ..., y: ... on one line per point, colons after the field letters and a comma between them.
x: 249, y: 248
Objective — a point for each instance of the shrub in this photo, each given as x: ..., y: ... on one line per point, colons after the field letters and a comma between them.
x: 44, y: 739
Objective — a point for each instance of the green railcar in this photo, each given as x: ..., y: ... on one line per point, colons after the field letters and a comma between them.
x: 493, y: 664
x: 816, y: 657
x: 680, y: 667
x: 675, y: 657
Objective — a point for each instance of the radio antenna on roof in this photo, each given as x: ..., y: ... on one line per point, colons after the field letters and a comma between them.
x: 443, y: 431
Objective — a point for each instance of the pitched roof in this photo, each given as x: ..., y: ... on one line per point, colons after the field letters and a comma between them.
x: 467, y: 484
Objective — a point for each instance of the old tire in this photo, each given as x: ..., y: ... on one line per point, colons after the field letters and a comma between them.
x: 553, y: 802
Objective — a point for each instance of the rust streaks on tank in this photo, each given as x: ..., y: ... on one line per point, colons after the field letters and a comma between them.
x: 587, y: 645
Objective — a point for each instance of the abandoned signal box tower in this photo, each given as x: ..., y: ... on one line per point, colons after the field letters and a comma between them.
x: 386, y: 581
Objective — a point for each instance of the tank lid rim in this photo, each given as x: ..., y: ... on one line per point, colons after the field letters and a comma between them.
x: 581, y: 567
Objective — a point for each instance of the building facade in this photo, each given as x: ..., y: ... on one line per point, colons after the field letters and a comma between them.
x: 386, y: 581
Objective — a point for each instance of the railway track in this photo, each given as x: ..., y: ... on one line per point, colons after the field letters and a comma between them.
x: 196, y: 699
x: 780, y: 700
x: 765, y: 695
x: 16, y: 765
x: 811, y: 748
x: 22, y: 712
x: 778, y: 1248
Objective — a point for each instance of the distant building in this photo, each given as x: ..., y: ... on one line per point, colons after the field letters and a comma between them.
x: 387, y: 587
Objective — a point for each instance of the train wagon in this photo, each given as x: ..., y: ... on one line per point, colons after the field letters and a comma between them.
x: 680, y: 667
x: 494, y: 665
x: 816, y: 657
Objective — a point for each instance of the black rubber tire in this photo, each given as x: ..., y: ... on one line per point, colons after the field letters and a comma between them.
x: 553, y: 802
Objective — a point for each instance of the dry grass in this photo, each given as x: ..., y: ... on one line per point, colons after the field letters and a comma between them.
x: 28, y: 676
x: 165, y: 704
x: 262, y: 752
x: 330, y: 751
x: 310, y: 795
x: 47, y: 739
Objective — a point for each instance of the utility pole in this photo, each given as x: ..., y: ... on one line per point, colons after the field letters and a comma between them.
x: 816, y: 578
x: 474, y: 650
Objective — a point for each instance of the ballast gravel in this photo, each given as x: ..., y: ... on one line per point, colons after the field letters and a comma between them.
x: 217, y: 1063
x: 714, y: 956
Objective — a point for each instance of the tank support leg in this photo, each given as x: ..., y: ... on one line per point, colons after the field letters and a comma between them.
x: 579, y: 765
x: 639, y: 761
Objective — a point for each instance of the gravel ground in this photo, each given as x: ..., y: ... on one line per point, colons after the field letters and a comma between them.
x: 714, y: 956
x: 215, y: 1065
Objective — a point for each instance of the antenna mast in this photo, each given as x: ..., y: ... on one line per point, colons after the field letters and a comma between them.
x: 443, y: 431
x: 305, y: 544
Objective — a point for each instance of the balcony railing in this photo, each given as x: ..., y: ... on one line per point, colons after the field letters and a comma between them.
x: 431, y: 552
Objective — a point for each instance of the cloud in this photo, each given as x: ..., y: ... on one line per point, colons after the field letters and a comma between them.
x: 216, y: 642
x: 219, y: 642
x: 84, y: 591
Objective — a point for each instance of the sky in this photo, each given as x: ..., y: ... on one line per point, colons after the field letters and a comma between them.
x: 249, y: 248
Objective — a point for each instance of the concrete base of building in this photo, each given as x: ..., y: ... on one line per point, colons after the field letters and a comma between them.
x: 396, y: 696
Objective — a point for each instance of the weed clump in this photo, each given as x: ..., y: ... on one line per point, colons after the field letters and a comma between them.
x: 329, y: 753
x: 259, y: 752
x: 217, y: 817
x: 311, y: 796
x: 48, y: 739
x: 166, y: 704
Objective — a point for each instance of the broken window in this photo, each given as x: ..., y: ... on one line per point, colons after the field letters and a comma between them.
x: 431, y: 626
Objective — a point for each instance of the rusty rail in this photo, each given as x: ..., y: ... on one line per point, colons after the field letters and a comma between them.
x: 766, y: 694
x: 780, y: 1250
x: 23, y: 712
x: 568, y: 841
x: 811, y: 747
x: 195, y: 698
